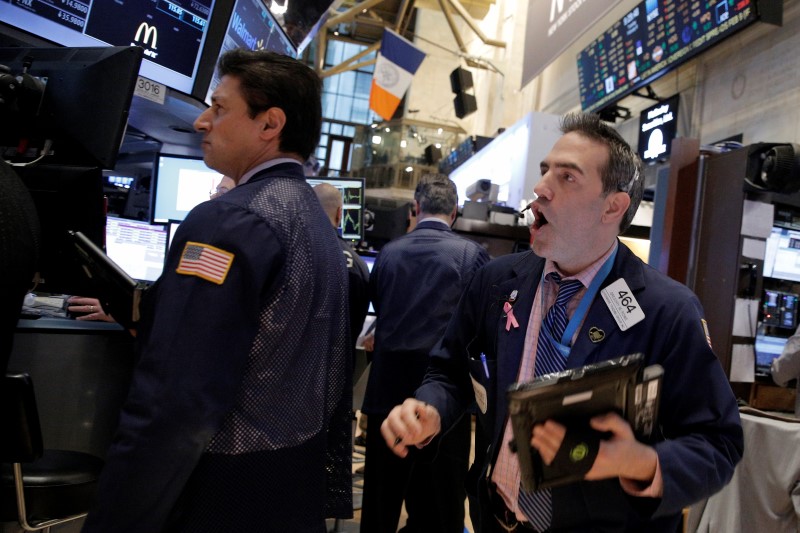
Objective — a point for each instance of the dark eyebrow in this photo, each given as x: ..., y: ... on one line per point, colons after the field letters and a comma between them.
x: 543, y: 166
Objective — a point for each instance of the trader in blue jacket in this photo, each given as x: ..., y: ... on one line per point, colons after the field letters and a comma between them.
x: 415, y: 285
x: 590, y: 189
x: 238, y: 415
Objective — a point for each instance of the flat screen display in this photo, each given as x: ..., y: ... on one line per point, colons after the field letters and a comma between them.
x: 137, y: 247
x: 658, y: 125
x: 252, y: 26
x: 653, y: 37
x: 172, y: 32
x: 353, y: 198
x: 173, y: 228
x: 85, y: 106
x: 767, y: 349
x: 782, y: 258
x: 180, y: 183
x: 66, y: 198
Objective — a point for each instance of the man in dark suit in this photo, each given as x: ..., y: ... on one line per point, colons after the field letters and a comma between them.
x: 238, y: 415
x: 415, y: 285
x: 590, y: 189
x: 357, y: 272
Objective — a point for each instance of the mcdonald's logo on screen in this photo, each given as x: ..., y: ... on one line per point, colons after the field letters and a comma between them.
x: 147, y: 37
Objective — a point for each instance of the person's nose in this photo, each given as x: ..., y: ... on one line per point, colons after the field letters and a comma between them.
x: 542, y: 188
x: 201, y: 123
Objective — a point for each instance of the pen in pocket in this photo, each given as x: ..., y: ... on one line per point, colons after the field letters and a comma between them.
x: 485, y: 366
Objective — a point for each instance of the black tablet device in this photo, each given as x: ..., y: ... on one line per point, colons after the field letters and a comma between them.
x: 572, y: 397
x: 119, y: 294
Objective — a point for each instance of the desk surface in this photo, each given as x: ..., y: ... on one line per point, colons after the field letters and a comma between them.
x: 66, y: 324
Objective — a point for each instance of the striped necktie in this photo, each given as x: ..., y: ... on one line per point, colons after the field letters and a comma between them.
x: 538, y: 505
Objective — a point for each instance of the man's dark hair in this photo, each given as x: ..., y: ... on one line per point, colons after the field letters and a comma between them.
x: 436, y: 195
x: 270, y: 80
x: 623, y: 171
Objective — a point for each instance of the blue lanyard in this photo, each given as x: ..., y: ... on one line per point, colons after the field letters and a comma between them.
x: 583, y: 307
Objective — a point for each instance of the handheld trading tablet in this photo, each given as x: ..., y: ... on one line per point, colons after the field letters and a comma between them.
x: 119, y: 294
x: 572, y: 397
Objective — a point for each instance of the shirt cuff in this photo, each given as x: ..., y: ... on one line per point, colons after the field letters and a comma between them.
x: 654, y: 489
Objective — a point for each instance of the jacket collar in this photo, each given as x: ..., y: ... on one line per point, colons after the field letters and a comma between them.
x: 430, y: 224
x: 284, y: 170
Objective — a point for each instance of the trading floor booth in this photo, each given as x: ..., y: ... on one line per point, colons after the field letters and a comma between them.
x: 81, y: 373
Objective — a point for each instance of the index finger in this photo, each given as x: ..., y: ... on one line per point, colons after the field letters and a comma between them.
x: 611, y: 422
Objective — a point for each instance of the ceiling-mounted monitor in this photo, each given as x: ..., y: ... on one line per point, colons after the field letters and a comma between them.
x: 171, y: 32
x: 252, y: 26
x: 658, y: 125
x: 652, y: 38
x: 302, y: 19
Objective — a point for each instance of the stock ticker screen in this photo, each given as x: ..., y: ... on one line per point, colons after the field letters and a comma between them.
x: 252, y: 26
x: 132, y: 22
x: 650, y: 39
x: 171, y: 32
x: 353, y: 202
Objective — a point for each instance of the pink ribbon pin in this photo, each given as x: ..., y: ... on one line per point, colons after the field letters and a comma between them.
x: 510, y: 318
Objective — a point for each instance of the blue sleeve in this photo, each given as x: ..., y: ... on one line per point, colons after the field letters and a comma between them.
x: 194, y: 347
x: 699, y: 419
x: 447, y: 385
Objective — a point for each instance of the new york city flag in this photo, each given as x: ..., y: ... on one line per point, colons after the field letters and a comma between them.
x: 397, y: 62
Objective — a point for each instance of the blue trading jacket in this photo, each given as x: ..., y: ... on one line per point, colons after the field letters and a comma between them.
x: 700, y: 436
x: 241, y: 388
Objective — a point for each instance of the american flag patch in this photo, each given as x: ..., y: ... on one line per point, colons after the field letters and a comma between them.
x: 205, y: 261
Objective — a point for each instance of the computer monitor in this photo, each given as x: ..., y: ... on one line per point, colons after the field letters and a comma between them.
x: 172, y: 228
x: 84, y: 108
x: 768, y: 348
x: 66, y: 198
x: 137, y: 247
x: 779, y: 309
x: 253, y: 27
x: 180, y: 183
x: 658, y: 125
x: 782, y: 257
x: 171, y: 33
x: 369, y: 260
x: 353, y: 196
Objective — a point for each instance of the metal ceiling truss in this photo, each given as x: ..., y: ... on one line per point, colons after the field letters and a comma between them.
x: 363, y: 14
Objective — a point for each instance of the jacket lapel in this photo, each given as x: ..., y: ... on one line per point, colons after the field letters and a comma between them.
x: 511, y: 343
x: 599, y: 323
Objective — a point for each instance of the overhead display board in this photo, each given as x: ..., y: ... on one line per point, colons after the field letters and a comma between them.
x: 552, y: 26
x: 251, y: 26
x: 652, y: 38
x: 171, y: 32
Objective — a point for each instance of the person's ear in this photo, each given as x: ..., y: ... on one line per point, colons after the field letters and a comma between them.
x: 617, y: 204
x: 272, y: 122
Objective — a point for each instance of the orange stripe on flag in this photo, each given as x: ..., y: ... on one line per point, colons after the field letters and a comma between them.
x: 382, y: 102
